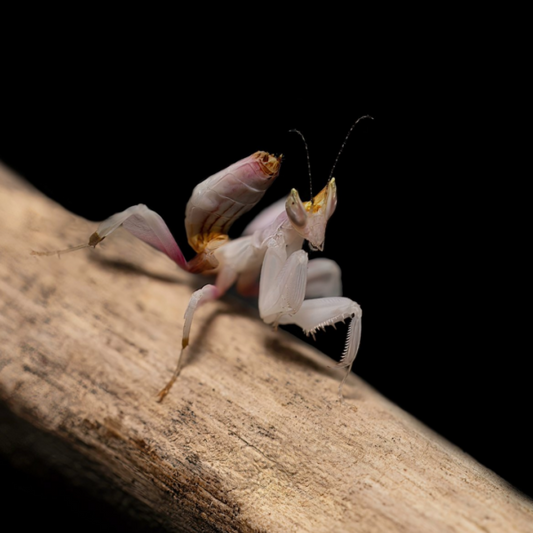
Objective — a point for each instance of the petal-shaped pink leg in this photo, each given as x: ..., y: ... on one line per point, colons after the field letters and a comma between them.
x: 141, y: 222
x: 146, y: 225
x: 323, y: 278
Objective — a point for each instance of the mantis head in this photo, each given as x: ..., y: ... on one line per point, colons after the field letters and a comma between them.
x: 309, y: 219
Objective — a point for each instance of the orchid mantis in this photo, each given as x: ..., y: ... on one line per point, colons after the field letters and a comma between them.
x: 292, y: 289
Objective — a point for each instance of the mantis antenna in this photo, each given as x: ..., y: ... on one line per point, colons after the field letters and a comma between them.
x: 308, y: 161
x: 338, y: 155
x: 344, y: 143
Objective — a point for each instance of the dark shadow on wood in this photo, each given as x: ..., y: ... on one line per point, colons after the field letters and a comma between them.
x: 46, y: 481
x: 129, y: 268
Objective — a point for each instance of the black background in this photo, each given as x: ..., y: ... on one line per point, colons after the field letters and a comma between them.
x: 426, y: 225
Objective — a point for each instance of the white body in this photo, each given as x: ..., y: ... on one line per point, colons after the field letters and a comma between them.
x: 292, y: 290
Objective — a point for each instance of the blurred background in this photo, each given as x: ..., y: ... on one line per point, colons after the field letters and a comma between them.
x: 423, y: 230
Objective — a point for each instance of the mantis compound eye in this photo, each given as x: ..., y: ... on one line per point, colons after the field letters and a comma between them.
x: 296, y: 209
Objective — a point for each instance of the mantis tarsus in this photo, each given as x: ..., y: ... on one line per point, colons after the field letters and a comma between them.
x: 292, y: 289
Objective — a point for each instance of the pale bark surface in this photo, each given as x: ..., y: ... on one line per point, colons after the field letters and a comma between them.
x: 251, y: 438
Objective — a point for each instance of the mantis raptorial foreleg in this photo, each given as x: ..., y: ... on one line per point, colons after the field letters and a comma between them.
x: 321, y: 312
x: 283, y: 281
x: 284, y: 284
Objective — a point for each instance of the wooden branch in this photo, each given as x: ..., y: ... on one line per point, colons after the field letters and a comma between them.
x: 251, y: 438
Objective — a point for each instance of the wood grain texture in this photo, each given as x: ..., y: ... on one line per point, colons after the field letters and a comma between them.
x: 251, y: 438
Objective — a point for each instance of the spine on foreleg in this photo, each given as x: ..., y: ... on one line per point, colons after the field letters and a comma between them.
x: 318, y: 313
x: 353, y: 338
